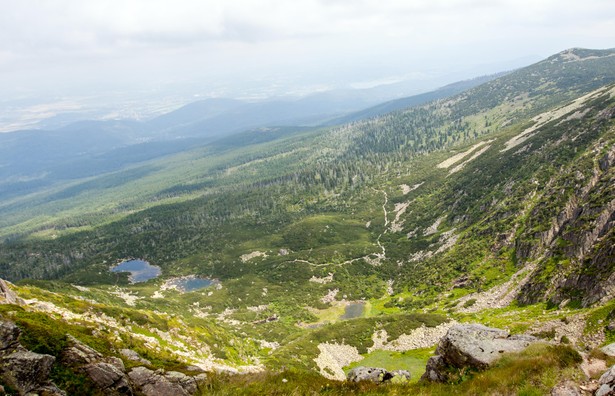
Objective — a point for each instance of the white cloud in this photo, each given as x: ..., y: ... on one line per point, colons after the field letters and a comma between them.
x: 68, y: 39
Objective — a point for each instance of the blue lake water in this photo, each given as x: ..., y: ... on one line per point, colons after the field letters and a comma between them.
x: 353, y: 310
x: 140, y: 271
x: 191, y: 284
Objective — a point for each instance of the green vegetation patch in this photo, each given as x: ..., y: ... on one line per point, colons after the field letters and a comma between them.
x: 300, y: 349
x: 414, y: 361
x: 532, y: 372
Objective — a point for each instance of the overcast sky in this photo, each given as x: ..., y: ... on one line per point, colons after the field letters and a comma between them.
x: 87, y: 46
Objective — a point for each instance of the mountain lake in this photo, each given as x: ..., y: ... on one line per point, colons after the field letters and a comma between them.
x: 353, y: 310
x: 140, y: 271
x: 190, y: 283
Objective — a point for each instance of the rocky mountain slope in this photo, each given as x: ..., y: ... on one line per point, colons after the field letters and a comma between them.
x: 363, y: 243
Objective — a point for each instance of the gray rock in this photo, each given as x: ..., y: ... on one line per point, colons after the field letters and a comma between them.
x: 26, y: 371
x: 201, y: 378
x: 134, y: 356
x: 474, y: 346
x: 607, y: 383
x: 79, y: 354
x: 187, y: 383
x: 153, y: 383
x: 373, y: 374
x: 195, y: 369
x: 478, y: 346
x: 566, y: 388
x: 8, y: 296
x: 435, y: 369
x: 107, y: 373
x: 9, y: 337
x: 400, y: 376
x: 109, y: 378
x: 48, y: 390
x: 609, y: 350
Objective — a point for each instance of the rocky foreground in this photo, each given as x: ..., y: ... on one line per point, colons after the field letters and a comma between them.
x: 28, y: 372
x: 476, y: 347
x: 471, y: 347
x: 461, y: 348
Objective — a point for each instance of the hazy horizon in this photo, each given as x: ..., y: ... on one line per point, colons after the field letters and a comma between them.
x: 134, y: 59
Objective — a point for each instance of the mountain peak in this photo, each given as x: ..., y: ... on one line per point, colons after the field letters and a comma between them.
x: 577, y: 54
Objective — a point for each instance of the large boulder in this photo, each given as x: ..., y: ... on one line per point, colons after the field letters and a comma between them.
x: 609, y: 350
x: 377, y: 375
x: 159, y: 383
x: 9, y: 337
x: 23, y: 370
x: 28, y: 372
x: 107, y: 373
x: 77, y: 353
x: 607, y: 383
x: 474, y: 346
x: 435, y: 370
x: 8, y: 296
x: 109, y: 378
x: 400, y: 376
x: 187, y: 383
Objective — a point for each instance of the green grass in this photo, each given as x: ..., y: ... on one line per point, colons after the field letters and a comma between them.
x: 414, y: 361
x: 532, y: 372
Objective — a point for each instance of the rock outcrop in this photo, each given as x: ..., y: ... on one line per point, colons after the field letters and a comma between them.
x: 28, y: 372
x: 134, y: 356
x: 159, y: 383
x: 108, y: 374
x: 609, y: 350
x: 566, y: 388
x: 109, y: 377
x: 77, y: 353
x: 435, y: 370
x: 8, y: 296
x: 377, y: 375
x: 607, y: 383
x: 581, y: 232
x: 474, y: 346
x: 23, y: 370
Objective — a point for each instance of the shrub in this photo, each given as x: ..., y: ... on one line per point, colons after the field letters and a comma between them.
x: 546, y: 334
x: 469, y: 303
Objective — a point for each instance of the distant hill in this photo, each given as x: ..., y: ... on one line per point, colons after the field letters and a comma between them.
x: 32, y: 160
x: 416, y: 100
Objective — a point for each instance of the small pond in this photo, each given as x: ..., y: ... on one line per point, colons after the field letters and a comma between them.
x: 353, y: 310
x: 191, y: 283
x: 140, y: 271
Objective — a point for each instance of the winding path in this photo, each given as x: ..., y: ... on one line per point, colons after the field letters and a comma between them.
x: 372, y: 258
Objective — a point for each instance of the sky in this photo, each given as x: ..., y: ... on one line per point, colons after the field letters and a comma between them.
x: 72, y: 50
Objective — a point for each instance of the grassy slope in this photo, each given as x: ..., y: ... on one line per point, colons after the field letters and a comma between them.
x: 293, y: 194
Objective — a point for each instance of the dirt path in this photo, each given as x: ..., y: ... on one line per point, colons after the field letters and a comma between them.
x: 372, y: 258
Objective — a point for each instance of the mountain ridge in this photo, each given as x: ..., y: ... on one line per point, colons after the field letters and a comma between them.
x: 495, y: 206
